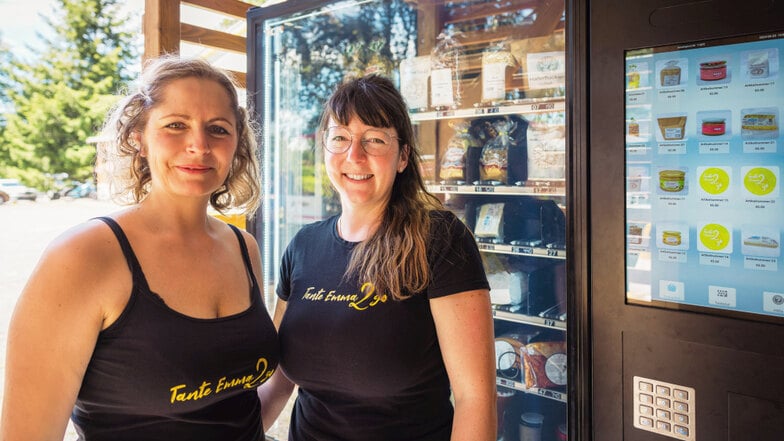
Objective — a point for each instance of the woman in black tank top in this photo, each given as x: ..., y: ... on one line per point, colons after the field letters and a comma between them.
x: 149, y: 323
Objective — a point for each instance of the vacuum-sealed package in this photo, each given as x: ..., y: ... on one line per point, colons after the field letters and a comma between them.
x: 547, y: 146
x: 494, y: 162
x: 454, y: 159
x: 446, y: 91
x: 497, y: 69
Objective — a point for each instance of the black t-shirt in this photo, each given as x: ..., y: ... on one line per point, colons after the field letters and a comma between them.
x: 368, y: 367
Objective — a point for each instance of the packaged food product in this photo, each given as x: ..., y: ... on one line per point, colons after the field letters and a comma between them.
x: 531, y: 426
x: 760, y: 241
x: 759, y: 124
x: 713, y: 70
x: 509, y: 353
x: 670, y: 74
x: 759, y: 66
x: 633, y: 77
x: 508, y: 357
x: 446, y: 91
x: 672, y: 180
x: 672, y: 127
x: 453, y: 161
x: 495, y: 154
x: 542, y: 66
x: 714, y: 127
x: 497, y: 69
x: 414, y: 78
x: 503, y: 402
x: 545, y: 364
x: 671, y: 238
x: 489, y: 221
x: 633, y: 128
x: 547, y: 146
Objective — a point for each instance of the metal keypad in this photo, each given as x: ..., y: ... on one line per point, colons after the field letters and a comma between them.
x: 664, y: 408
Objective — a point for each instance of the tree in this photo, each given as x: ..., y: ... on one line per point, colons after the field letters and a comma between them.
x: 60, y: 99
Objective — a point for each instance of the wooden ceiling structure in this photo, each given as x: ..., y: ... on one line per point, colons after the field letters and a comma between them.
x: 164, y: 30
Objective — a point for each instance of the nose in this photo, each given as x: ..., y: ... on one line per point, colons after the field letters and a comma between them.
x: 355, y: 151
x: 199, y: 142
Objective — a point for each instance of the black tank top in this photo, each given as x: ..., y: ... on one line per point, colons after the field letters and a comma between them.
x: 157, y: 374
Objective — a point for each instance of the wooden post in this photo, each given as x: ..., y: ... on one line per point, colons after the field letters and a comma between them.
x: 161, y: 27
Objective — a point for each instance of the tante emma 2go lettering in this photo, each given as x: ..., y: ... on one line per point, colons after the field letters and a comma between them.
x: 366, y: 298
x: 182, y: 393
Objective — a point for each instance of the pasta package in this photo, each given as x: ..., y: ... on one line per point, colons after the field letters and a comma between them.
x: 453, y: 161
x: 494, y: 162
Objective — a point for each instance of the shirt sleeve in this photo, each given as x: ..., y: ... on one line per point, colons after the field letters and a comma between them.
x: 455, y: 263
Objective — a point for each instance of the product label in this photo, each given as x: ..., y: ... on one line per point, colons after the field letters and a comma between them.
x: 414, y: 73
x: 441, y: 88
x: 494, y: 81
x: 546, y: 70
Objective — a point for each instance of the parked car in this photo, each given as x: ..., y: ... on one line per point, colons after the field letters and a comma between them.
x: 13, y: 190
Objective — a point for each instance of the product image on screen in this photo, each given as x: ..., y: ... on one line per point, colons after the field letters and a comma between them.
x: 704, y: 154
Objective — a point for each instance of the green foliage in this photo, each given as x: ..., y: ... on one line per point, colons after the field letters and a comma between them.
x: 60, y: 99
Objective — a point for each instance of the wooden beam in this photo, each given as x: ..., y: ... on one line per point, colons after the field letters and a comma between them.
x: 239, y: 78
x: 212, y: 38
x: 229, y: 7
x: 161, y: 28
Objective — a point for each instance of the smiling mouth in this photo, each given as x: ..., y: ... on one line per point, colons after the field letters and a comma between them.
x: 354, y: 177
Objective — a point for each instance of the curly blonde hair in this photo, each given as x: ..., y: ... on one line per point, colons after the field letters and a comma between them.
x: 131, y: 171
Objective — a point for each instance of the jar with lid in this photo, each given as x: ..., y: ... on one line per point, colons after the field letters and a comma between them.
x: 531, y: 426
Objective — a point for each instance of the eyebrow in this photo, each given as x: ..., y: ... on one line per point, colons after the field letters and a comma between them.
x: 185, y: 116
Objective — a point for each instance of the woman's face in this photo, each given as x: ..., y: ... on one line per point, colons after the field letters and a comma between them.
x: 365, y: 181
x: 190, y: 138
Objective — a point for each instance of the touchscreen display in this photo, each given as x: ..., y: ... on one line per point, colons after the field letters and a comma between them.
x: 704, y: 160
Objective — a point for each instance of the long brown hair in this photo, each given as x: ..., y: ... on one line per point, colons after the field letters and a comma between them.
x: 394, y: 258
x: 132, y: 172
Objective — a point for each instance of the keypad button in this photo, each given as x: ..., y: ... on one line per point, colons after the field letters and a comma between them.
x: 646, y: 410
x: 681, y: 418
x: 663, y: 390
x: 681, y: 394
x: 645, y: 398
x: 680, y: 430
x: 646, y: 387
x: 648, y: 422
x: 662, y: 414
x: 663, y: 425
x: 681, y: 407
x: 662, y: 402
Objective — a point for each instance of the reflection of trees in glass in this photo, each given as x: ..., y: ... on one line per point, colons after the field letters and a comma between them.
x: 344, y: 42
x: 315, y: 54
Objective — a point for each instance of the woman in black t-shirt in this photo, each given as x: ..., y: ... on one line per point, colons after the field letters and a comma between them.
x: 383, y: 310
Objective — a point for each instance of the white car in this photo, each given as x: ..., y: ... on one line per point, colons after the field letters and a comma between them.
x: 13, y: 190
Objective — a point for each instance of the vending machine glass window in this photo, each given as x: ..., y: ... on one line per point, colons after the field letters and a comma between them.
x: 704, y: 212
x: 485, y: 84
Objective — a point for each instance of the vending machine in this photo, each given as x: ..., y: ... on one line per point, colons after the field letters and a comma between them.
x: 486, y: 83
x: 686, y: 150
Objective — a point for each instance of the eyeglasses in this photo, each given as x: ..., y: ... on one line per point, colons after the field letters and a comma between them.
x: 375, y: 142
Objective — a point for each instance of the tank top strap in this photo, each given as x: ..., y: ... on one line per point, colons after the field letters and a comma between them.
x: 245, y: 258
x: 130, y: 256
